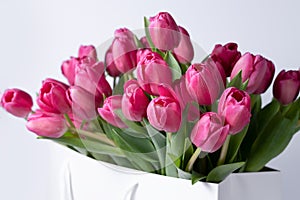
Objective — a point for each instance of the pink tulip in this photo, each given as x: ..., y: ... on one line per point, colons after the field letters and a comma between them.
x: 141, y: 53
x: 286, y: 86
x: 204, y: 82
x: 185, y: 99
x: 152, y: 70
x: 47, y: 124
x: 210, y: 132
x: 145, y: 42
x: 134, y: 101
x: 16, y: 102
x: 83, y: 103
x: 87, y: 51
x: 226, y: 56
x: 185, y: 51
x: 52, y: 97
x: 235, y: 106
x: 257, y: 69
x: 164, y: 112
x: 164, y: 31
x: 90, y: 76
x: 124, y: 50
x: 110, y: 64
x: 68, y: 69
x: 107, y: 112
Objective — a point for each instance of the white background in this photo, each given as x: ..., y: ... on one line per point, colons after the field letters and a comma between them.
x: 36, y: 36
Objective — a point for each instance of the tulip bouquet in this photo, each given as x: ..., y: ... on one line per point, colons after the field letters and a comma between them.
x: 150, y: 107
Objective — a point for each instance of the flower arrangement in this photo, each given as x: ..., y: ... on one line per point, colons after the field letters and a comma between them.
x: 150, y: 107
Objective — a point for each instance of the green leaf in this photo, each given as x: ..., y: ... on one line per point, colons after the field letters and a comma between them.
x: 159, y: 142
x: 234, y: 145
x: 197, y: 177
x: 146, y: 24
x: 255, y: 103
x: 141, y: 162
x: 257, y: 125
x: 138, y: 42
x: 178, y: 143
x: 119, y: 88
x: 173, y: 64
x: 183, y: 174
x: 132, y: 125
x: 219, y: 173
x: 237, y: 82
x: 271, y: 142
x: 89, y: 145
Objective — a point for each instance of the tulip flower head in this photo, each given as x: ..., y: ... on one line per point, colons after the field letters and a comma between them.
x: 17, y: 102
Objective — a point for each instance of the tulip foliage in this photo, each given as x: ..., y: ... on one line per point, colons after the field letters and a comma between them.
x: 149, y: 106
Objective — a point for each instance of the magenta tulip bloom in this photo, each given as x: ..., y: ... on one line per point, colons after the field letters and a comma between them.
x: 16, y: 102
x: 152, y: 70
x: 110, y: 64
x: 164, y: 31
x: 47, y: 124
x: 124, y: 50
x: 83, y: 103
x: 185, y: 99
x: 257, y: 69
x: 134, y: 101
x: 204, y: 82
x: 52, y: 97
x: 87, y: 51
x: 235, y: 106
x: 184, y: 53
x: 68, y: 69
x: 209, y: 133
x: 107, y: 112
x: 90, y: 76
x: 286, y: 86
x: 164, y: 112
x: 145, y: 42
x: 226, y: 56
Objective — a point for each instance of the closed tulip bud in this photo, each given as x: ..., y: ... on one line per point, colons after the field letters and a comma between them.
x: 226, y: 55
x: 110, y: 64
x: 16, y: 102
x: 134, y: 101
x: 90, y: 76
x: 107, y: 112
x: 185, y: 51
x: 145, y: 42
x: 87, y: 51
x: 68, y: 69
x: 209, y: 133
x: 47, y: 124
x: 83, y: 103
x: 124, y: 50
x: 257, y: 69
x: 164, y: 112
x: 52, y: 97
x: 164, y: 31
x: 185, y: 99
x: 204, y: 82
x: 152, y: 70
x: 235, y: 106
x: 286, y: 86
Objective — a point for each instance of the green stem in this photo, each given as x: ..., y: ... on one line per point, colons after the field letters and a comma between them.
x: 69, y: 120
x: 192, y: 160
x: 99, y: 136
x: 224, y: 150
x: 169, y: 136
